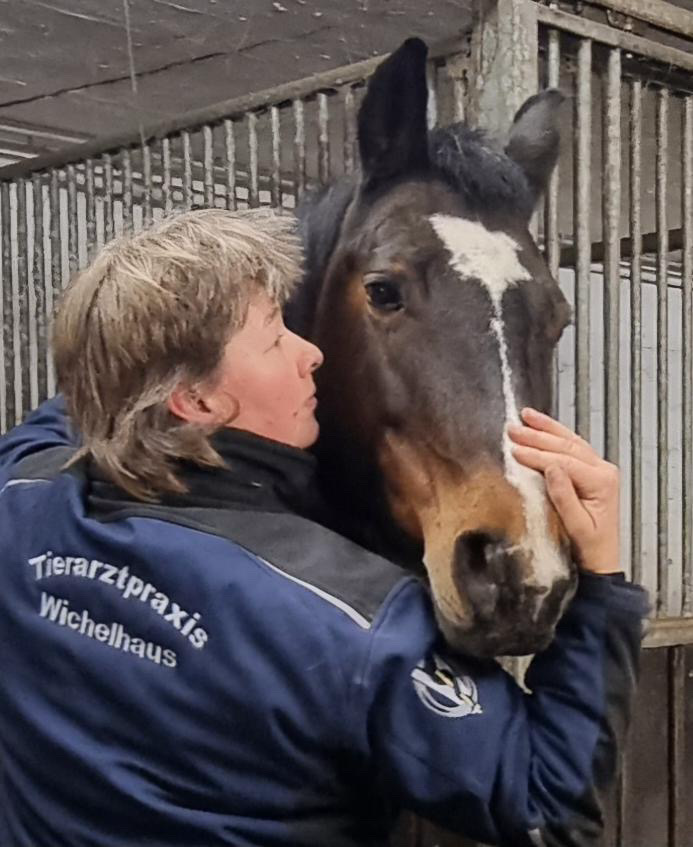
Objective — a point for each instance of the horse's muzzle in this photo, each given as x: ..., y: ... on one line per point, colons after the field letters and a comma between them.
x: 508, y: 612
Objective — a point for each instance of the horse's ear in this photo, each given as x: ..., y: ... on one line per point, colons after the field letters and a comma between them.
x: 535, y: 138
x: 393, y: 133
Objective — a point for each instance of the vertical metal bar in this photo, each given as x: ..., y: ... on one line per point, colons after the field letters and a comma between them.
x: 253, y: 186
x: 323, y: 138
x: 611, y: 217
x: 90, y: 198
x: 108, y: 218
x: 349, y: 129
x: 636, y: 328
x: 166, y: 192
x: 126, y: 176
x: 208, y: 164
x: 7, y: 311
x: 54, y: 283
x: 432, y: 104
x: 147, y: 213
x: 22, y: 301
x: 34, y: 288
x: 457, y: 71
x: 583, y: 146
x: 72, y: 214
x: 187, y: 170
x: 677, y: 747
x: 276, y: 185
x: 39, y: 281
x: 551, y: 234
x: 662, y: 135
x: 57, y: 281
x: 230, y: 156
x: 439, y: 79
x: 553, y: 247
x: 687, y: 341
x: 299, y: 149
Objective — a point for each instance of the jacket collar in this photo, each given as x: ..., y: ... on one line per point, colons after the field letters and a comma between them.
x: 259, y: 474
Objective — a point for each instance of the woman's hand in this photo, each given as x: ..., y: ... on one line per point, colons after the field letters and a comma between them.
x: 583, y: 487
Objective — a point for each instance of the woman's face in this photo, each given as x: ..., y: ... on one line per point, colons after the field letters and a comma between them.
x: 268, y: 371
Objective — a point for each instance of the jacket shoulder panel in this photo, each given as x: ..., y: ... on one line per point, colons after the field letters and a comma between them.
x: 45, y: 464
x: 304, y: 552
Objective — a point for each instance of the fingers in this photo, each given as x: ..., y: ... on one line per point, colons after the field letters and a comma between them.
x: 585, y: 476
x: 583, y: 487
x: 571, y: 511
x: 545, y: 423
x: 528, y: 437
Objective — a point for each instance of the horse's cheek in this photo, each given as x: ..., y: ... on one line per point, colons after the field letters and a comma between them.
x: 408, y: 483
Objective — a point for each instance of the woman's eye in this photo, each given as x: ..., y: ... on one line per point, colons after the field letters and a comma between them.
x: 384, y: 295
x: 276, y: 342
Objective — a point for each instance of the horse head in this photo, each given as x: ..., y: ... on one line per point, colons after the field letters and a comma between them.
x: 438, y: 316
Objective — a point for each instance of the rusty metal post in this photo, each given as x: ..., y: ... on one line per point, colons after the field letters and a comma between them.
x: 687, y: 338
x: 611, y: 221
x: 504, y: 61
x: 661, y: 179
x: 582, y: 211
x: 349, y: 129
x: 635, y: 191
x: 552, y: 236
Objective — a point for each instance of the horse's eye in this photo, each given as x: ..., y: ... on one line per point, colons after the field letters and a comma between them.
x: 384, y: 295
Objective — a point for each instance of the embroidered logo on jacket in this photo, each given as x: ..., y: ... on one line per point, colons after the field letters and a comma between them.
x: 445, y: 691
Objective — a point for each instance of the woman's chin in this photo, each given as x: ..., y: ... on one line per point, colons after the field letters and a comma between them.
x: 309, y: 435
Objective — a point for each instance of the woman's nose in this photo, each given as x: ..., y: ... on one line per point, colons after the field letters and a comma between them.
x: 315, y: 357
x: 318, y: 357
x: 311, y: 357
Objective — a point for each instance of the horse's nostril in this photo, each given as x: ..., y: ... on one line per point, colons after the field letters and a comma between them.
x: 481, y: 553
x: 472, y: 548
x: 481, y: 571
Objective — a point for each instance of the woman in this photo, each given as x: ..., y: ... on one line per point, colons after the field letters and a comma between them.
x: 189, y: 660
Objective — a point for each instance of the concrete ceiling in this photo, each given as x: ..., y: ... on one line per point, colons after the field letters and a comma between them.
x: 66, y: 65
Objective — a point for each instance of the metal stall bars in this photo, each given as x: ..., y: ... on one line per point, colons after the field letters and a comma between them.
x: 267, y: 148
x: 623, y: 229
x: 625, y: 261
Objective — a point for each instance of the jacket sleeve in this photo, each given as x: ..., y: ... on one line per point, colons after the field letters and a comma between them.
x: 47, y: 426
x: 459, y: 742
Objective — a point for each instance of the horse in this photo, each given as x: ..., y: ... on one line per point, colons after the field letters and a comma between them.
x: 438, y: 315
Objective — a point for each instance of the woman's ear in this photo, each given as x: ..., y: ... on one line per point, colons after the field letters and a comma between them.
x: 188, y: 404
x: 207, y: 407
x: 207, y: 403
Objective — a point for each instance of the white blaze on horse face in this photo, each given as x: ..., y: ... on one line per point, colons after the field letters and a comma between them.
x: 491, y: 260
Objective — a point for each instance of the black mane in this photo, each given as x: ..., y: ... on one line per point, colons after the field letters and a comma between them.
x: 479, y: 170
x: 320, y: 217
x: 466, y: 159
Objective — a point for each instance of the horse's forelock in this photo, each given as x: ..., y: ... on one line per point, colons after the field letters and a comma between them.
x: 482, y: 174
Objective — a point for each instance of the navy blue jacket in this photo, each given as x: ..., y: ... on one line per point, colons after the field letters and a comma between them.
x: 217, y: 670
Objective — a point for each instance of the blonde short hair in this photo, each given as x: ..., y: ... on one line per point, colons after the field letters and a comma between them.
x: 155, y: 310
